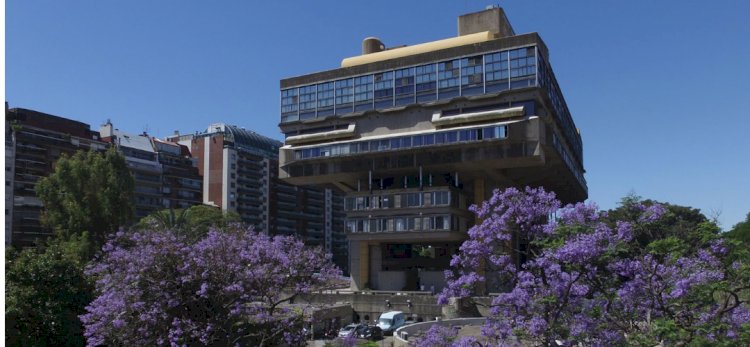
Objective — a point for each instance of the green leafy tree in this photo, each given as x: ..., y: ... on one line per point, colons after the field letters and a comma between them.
x: 46, y: 291
x: 89, y: 191
x: 741, y: 231
x: 194, y: 222
x: 680, y: 229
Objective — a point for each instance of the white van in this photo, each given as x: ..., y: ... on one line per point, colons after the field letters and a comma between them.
x: 390, y: 321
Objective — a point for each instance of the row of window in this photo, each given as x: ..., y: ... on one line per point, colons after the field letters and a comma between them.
x: 486, y: 73
x: 409, y: 223
x: 403, y: 142
x: 547, y: 79
x: 568, y: 161
x: 386, y: 201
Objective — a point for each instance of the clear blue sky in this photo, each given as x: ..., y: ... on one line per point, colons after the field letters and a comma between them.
x: 659, y: 89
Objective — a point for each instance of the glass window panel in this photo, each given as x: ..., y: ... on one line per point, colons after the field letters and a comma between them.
x: 307, y: 98
x: 501, y: 132
x: 395, y: 143
x: 406, y: 142
x: 471, y: 75
x: 404, y: 86
x: 383, y: 89
x: 416, y: 140
x: 464, y: 135
x: 426, y: 82
x: 448, y: 79
x: 383, y: 145
x: 325, y: 95
x: 363, y: 96
x: 289, y: 102
x: 439, y: 138
x: 489, y: 133
x: 429, y: 139
x: 451, y: 137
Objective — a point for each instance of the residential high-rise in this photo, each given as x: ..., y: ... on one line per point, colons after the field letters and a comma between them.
x: 240, y: 174
x: 37, y: 140
x: 413, y: 135
x: 165, y: 174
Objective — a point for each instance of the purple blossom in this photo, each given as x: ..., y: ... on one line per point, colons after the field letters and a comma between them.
x: 588, y: 280
x: 156, y: 288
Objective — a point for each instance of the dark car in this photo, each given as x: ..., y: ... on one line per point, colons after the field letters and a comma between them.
x: 351, y: 329
x: 371, y: 333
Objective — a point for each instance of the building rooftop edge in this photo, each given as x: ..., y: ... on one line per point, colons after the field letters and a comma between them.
x: 416, y: 59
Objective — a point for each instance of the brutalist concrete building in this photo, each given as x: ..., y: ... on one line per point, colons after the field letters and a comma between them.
x: 413, y: 135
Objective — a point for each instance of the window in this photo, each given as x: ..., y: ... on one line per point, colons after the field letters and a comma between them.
x: 426, y: 85
x: 307, y: 102
x: 442, y: 222
x: 448, y: 74
x: 412, y: 200
x: 496, y: 71
x: 383, y: 90
x: 362, y: 203
x: 400, y: 225
x: 344, y: 96
x: 349, y: 204
x: 363, y: 93
x: 451, y: 137
x: 441, y: 198
x: 386, y: 201
x: 471, y: 76
x: 522, y: 67
x: 404, y: 86
x: 411, y: 223
x: 429, y: 139
x: 417, y: 140
x: 325, y: 99
x: 289, y: 105
x: 406, y: 142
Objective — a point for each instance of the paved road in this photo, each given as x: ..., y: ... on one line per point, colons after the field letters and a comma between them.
x: 386, y: 342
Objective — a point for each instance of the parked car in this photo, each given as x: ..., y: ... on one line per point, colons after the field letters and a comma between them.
x: 371, y: 333
x: 390, y: 321
x: 349, y: 330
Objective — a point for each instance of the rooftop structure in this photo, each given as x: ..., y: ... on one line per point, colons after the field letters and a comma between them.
x: 413, y: 135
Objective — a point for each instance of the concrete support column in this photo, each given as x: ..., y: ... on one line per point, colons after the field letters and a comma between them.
x: 364, y: 264
x: 478, y: 199
x: 359, y: 264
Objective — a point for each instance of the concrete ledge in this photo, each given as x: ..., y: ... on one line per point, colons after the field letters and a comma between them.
x: 328, y: 135
x: 438, y: 120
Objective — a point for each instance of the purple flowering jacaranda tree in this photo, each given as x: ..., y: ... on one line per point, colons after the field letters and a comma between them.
x: 229, y: 288
x: 587, y: 281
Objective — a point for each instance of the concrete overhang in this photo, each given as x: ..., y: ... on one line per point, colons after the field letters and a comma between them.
x: 418, y: 49
x: 328, y: 135
x: 439, y: 121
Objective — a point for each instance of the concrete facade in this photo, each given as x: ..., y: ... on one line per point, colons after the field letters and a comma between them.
x: 413, y: 140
